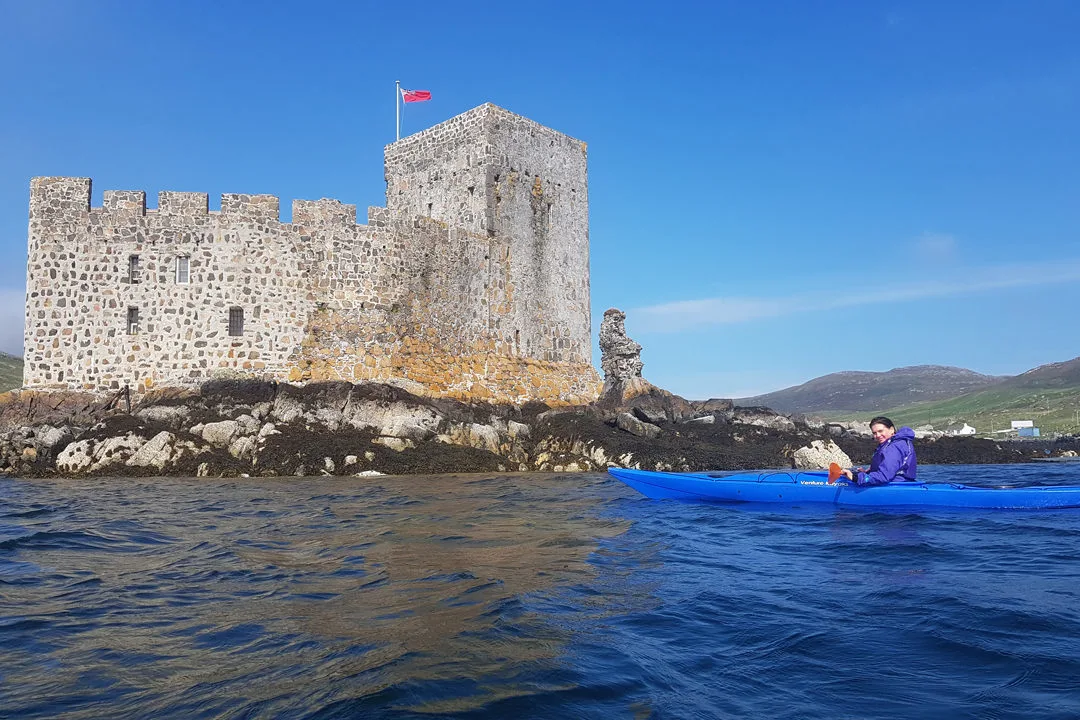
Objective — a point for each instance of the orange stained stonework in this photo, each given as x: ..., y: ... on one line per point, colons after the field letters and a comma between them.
x: 425, y: 370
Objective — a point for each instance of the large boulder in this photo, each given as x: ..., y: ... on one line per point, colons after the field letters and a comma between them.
x: 287, y: 408
x: 156, y: 452
x: 76, y: 457
x: 631, y: 424
x: 819, y: 454
x: 91, y: 455
x: 855, y: 427
x: 243, y: 447
x: 48, y: 437
x: 30, y: 449
x: 116, y: 450
x: 475, y: 435
x: 248, y: 425
x: 713, y: 405
x: 763, y: 417
x: 650, y: 414
x: 392, y: 413
x: 174, y: 416
x: 219, y: 434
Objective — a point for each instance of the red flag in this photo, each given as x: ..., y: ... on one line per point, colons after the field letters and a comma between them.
x: 415, y: 95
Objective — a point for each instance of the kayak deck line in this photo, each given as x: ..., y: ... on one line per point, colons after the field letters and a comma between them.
x: 812, y: 487
x: 792, y: 478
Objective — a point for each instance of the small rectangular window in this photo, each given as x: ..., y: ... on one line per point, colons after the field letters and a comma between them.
x: 133, y: 269
x: 236, y: 321
x: 183, y: 273
x: 133, y: 321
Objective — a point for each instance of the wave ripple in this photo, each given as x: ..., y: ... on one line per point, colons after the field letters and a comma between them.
x: 526, y: 596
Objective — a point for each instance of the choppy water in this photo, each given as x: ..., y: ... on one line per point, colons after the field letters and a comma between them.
x: 527, y: 596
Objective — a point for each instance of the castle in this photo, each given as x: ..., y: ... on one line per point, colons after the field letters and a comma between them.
x: 472, y: 283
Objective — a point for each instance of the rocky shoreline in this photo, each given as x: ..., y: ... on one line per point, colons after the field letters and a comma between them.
x: 238, y: 428
x: 248, y: 427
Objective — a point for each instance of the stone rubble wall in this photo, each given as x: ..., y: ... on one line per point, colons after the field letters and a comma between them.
x: 79, y: 291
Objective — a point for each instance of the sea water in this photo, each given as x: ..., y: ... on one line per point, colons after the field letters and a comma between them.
x: 531, y: 595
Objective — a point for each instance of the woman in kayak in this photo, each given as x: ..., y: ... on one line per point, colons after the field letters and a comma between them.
x: 894, y: 459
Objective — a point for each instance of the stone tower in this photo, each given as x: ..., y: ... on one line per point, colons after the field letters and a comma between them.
x: 524, y: 187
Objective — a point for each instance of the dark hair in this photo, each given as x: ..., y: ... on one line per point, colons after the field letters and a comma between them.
x: 882, y: 420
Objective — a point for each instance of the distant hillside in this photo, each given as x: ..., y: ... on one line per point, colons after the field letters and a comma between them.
x: 1053, y: 375
x: 1049, y: 395
x: 10, y: 372
x: 846, y: 393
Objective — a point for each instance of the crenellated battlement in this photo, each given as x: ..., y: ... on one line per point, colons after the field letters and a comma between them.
x: 124, y: 202
x: 256, y: 208
x: 58, y: 196
x: 192, y: 204
x: 323, y: 212
x: 55, y: 196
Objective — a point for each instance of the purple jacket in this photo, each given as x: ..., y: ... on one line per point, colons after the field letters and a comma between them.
x: 894, y: 460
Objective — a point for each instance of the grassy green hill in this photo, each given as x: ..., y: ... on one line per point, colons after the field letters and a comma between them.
x: 10, y: 372
x: 1049, y: 395
x: 1052, y: 410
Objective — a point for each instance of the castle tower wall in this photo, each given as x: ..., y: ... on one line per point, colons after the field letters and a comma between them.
x: 525, y: 187
x: 542, y: 209
x: 444, y: 173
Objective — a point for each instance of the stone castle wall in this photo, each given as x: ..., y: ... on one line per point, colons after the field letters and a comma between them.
x: 437, y: 293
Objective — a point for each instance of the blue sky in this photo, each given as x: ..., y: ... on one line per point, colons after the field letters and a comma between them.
x: 778, y: 190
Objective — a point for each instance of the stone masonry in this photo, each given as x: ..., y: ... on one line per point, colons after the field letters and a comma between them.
x: 473, y: 282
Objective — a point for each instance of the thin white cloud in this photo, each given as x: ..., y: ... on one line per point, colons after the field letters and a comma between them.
x: 935, y: 247
x: 12, y: 318
x: 690, y: 314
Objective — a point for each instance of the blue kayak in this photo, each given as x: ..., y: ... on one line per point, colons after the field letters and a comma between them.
x: 797, y: 487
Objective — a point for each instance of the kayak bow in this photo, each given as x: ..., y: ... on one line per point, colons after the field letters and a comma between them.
x: 794, y: 487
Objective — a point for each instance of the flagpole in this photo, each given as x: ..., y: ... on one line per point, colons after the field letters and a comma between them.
x: 397, y: 109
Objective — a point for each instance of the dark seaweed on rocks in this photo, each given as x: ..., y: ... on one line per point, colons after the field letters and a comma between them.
x: 942, y: 451
x: 967, y: 450
x: 250, y: 427
x: 438, y: 458
x: 713, y: 446
x: 248, y: 392
x: 116, y: 425
x: 300, y: 450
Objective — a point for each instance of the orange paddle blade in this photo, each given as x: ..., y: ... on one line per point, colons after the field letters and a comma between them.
x: 835, y: 471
